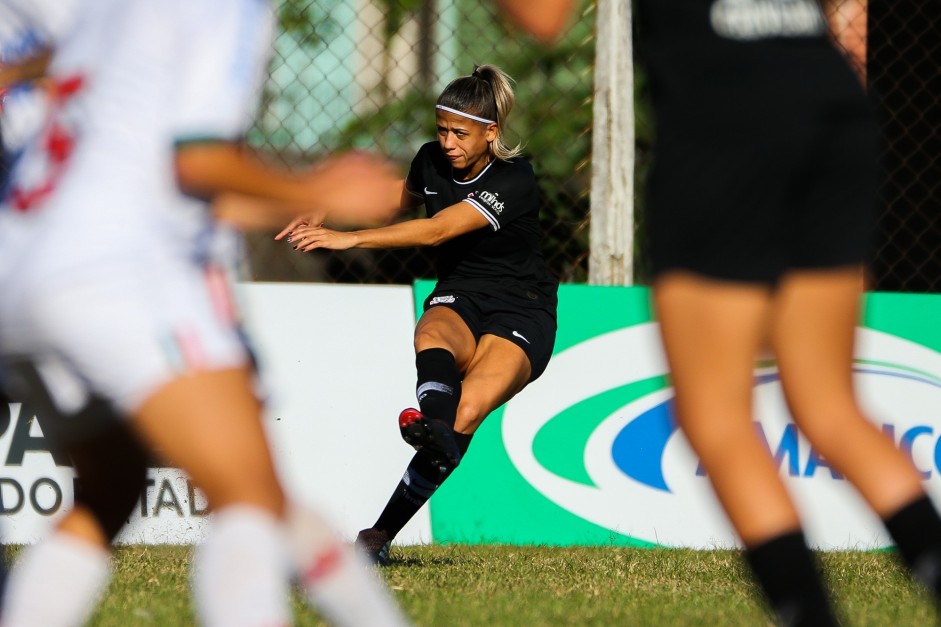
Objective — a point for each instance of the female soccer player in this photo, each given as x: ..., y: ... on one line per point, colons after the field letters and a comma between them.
x: 489, y: 325
x: 110, y: 269
x: 762, y: 203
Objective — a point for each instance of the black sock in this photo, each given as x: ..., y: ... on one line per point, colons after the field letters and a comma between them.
x: 916, y: 530
x: 463, y: 441
x: 439, y: 384
x: 421, y: 479
x: 786, y: 571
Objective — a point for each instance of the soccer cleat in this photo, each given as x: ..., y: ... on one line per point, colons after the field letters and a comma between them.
x: 375, y: 543
x: 434, y: 435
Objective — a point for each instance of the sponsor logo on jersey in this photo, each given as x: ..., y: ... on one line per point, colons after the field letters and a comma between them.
x: 761, y: 19
x: 618, y: 460
x: 438, y: 300
x: 492, y: 200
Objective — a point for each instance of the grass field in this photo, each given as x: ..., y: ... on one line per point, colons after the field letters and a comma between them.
x: 505, y: 585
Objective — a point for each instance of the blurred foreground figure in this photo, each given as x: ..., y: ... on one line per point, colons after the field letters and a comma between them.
x: 771, y: 136
x: 764, y: 244
x: 113, y: 271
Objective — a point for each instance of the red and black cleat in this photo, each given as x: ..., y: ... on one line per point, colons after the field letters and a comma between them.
x: 431, y: 434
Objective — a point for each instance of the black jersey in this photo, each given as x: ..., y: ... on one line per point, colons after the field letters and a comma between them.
x: 741, y: 63
x: 505, y: 193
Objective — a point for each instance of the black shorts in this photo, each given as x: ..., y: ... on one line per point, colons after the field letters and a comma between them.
x: 524, y: 316
x: 753, y: 203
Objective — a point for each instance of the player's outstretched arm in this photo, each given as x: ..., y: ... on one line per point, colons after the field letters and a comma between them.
x: 406, y: 201
x: 543, y: 19
x: 445, y: 225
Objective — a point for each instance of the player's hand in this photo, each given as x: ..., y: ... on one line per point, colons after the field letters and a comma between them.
x: 298, y: 222
x: 308, y: 238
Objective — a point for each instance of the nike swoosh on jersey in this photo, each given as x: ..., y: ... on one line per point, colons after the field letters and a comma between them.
x: 517, y: 334
x: 428, y: 192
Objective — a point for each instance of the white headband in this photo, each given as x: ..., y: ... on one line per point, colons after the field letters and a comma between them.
x: 465, y: 115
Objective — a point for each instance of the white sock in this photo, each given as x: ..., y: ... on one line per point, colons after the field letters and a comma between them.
x: 57, y: 582
x: 241, y: 573
x: 336, y: 578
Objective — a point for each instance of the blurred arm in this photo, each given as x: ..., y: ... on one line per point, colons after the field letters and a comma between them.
x: 351, y: 188
x: 543, y: 19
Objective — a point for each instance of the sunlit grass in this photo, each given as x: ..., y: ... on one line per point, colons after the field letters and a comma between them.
x: 506, y: 585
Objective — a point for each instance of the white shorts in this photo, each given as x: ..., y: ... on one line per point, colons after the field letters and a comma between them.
x: 123, y: 332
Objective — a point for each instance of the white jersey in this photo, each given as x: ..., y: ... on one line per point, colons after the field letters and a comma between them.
x: 26, y: 28
x: 134, y: 79
x: 94, y: 207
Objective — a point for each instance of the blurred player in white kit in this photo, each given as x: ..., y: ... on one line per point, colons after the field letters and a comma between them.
x: 113, y: 285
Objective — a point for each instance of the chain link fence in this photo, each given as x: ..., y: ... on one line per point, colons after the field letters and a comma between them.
x: 366, y: 73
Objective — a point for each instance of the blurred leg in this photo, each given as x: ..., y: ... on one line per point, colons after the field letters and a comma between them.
x: 335, y: 577
x: 712, y: 332
x: 209, y: 424
x: 63, y: 565
x: 73, y: 564
x: 813, y: 331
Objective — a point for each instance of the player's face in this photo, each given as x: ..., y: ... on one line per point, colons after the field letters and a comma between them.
x: 465, y: 142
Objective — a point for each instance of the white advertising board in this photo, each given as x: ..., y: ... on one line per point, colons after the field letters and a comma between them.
x: 337, y: 365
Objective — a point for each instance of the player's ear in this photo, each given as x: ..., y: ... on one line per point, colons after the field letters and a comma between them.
x: 491, y: 132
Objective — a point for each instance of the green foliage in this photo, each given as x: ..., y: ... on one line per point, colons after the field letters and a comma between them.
x: 396, y: 12
x: 398, y: 129
x: 307, y: 21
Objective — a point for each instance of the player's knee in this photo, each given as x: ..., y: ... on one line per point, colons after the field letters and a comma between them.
x: 470, y: 414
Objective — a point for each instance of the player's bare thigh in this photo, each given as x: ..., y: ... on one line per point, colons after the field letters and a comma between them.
x: 209, y: 424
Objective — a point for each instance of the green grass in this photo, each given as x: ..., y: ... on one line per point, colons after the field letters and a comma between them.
x: 505, y: 585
